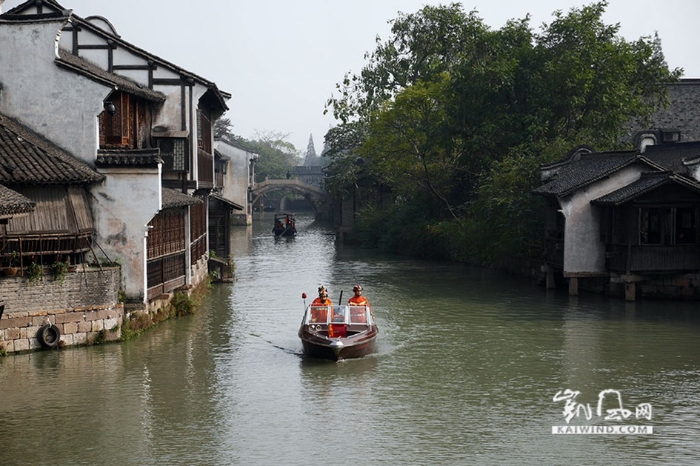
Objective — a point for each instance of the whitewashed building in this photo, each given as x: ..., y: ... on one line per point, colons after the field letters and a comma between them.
x: 142, y: 122
x: 237, y: 172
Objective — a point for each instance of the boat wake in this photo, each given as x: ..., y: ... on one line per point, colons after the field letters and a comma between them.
x: 274, y: 345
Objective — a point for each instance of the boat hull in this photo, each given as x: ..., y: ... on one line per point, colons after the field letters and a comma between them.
x: 336, y: 349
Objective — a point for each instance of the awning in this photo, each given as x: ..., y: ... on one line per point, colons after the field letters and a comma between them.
x: 223, y: 200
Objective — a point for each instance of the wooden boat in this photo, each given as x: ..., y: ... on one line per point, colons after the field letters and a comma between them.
x: 284, y: 225
x: 338, y: 332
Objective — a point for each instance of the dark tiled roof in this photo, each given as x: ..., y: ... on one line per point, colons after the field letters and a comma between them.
x: 228, y: 202
x: 220, y: 155
x: 586, y: 170
x: 574, y: 174
x: 646, y: 183
x: 13, y: 203
x: 128, y: 158
x: 671, y: 156
x: 94, y: 72
x: 28, y: 158
x: 236, y: 143
x: 173, y: 198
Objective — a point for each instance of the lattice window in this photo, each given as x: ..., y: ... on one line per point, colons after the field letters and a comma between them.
x: 168, y: 233
x: 198, y: 229
x: 174, y: 154
x: 124, y: 122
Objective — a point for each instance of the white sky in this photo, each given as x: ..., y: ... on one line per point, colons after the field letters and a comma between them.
x: 281, y: 59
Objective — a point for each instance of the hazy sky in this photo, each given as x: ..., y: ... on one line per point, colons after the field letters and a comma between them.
x: 281, y: 59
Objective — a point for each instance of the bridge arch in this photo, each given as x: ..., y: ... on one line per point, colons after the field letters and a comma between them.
x: 318, y: 198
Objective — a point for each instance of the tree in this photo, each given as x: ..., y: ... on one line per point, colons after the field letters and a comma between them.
x: 276, y: 155
x: 223, y: 129
x: 409, y: 146
x: 463, y: 122
x: 423, y: 45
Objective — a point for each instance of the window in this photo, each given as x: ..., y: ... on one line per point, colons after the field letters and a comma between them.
x: 123, y: 123
x: 686, y: 225
x: 174, y: 154
x: 204, y: 130
x: 650, y: 226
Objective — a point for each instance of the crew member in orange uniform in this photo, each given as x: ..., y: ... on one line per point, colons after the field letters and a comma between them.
x: 358, y: 299
x: 320, y: 314
x: 322, y: 299
x: 357, y: 315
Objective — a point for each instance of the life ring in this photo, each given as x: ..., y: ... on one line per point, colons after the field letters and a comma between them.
x: 49, y: 335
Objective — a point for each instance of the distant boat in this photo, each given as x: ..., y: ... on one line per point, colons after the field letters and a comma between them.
x: 285, y: 225
x: 338, y: 332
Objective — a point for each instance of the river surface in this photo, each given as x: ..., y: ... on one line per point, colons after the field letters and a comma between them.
x: 468, y: 365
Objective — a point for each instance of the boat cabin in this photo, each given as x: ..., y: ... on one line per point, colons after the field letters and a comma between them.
x: 338, y: 321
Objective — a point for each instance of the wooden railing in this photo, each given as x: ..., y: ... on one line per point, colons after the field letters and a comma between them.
x: 653, y: 258
x: 165, y: 274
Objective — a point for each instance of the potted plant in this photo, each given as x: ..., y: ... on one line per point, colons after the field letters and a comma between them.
x: 12, y: 263
x: 59, y: 270
x: 34, y: 272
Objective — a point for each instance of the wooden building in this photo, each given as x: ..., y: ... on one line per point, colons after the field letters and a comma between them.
x: 626, y: 222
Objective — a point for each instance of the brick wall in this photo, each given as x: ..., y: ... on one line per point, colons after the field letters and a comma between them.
x: 684, y: 112
x: 81, y: 306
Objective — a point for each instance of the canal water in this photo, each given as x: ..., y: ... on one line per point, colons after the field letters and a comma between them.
x: 472, y: 367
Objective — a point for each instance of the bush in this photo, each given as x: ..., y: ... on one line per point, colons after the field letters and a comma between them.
x: 182, y: 304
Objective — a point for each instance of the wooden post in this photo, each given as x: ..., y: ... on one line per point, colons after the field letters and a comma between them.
x: 573, y: 286
x: 630, y: 291
x: 550, y: 283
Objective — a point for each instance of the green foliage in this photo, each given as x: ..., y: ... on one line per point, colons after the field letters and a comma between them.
x: 400, y: 229
x: 423, y: 45
x: 100, y: 338
x: 223, y: 129
x: 106, y: 262
x: 59, y: 270
x: 276, y: 155
x: 135, y: 325
x: 456, y: 118
x: 410, y: 148
x: 346, y: 166
x: 13, y: 259
x: 34, y: 272
x: 182, y: 304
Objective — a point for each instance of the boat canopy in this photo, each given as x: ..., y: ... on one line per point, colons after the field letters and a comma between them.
x: 338, y: 315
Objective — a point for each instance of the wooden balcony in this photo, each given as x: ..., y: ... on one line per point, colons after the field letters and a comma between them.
x: 653, y: 258
x: 205, y: 169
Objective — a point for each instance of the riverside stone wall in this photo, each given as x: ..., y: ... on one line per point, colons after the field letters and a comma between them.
x: 83, y: 306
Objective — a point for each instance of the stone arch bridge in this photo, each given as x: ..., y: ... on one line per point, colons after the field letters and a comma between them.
x: 318, y: 198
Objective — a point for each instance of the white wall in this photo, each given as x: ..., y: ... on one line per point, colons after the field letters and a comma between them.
x: 124, y: 204
x: 584, y: 253
x: 63, y: 107
x: 236, y: 180
x: 58, y: 104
